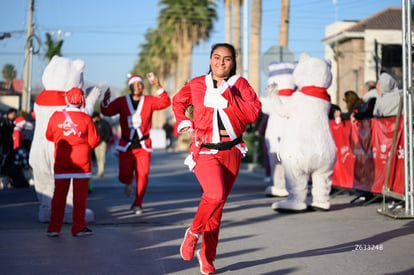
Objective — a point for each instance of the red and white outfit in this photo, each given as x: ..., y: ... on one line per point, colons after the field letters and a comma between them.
x: 72, y: 161
x: 18, y: 132
x: 234, y: 103
x: 135, y: 121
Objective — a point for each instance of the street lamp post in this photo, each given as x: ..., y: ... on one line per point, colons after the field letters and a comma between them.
x: 28, y: 61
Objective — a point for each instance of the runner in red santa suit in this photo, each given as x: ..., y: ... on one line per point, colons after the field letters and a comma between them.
x: 134, y: 147
x: 74, y: 134
x: 223, y: 103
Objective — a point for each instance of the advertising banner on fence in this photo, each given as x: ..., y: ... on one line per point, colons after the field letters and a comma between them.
x: 363, y: 152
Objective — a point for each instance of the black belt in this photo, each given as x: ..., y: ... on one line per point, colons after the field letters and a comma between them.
x: 135, y: 143
x: 141, y: 139
x: 221, y: 146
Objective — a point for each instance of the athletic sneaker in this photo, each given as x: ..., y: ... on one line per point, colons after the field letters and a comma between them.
x: 85, y: 232
x: 205, y: 267
x: 52, y: 234
x: 188, y: 246
x: 137, y: 210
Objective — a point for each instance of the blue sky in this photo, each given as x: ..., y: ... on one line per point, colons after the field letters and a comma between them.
x: 107, y: 34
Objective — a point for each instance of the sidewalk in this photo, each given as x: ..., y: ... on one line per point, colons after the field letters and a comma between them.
x: 349, y: 239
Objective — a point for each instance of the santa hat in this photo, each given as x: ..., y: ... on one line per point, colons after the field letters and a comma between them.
x: 282, y: 75
x: 20, y: 121
x: 135, y: 78
x: 75, y: 97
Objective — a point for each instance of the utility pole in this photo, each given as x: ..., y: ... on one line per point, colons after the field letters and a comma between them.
x: 284, y: 23
x: 27, y: 76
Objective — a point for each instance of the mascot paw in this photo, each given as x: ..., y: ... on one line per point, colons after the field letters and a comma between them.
x: 289, y: 206
x: 273, y: 191
x: 320, y: 206
x: 272, y: 89
x: 89, y: 216
x: 92, y: 97
x: 44, y: 215
x: 94, y: 92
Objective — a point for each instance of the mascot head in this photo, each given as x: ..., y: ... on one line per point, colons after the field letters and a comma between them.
x: 281, y: 74
x: 312, y: 71
x: 62, y: 74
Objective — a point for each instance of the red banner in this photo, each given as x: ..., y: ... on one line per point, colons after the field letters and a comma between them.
x: 363, y: 151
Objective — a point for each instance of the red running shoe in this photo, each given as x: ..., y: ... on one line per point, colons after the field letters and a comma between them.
x: 188, y: 246
x: 205, y: 267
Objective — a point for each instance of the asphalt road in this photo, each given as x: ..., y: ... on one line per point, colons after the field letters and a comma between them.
x: 352, y: 238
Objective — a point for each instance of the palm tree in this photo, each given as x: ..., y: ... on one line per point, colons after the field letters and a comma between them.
x: 237, y: 32
x: 156, y: 56
x: 53, y: 47
x: 255, y: 36
x: 227, y: 4
x: 193, y: 22
x: 9, y: 73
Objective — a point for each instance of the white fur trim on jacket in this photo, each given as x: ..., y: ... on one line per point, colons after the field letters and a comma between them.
x: 160, y: 91
x: 219, y: 110
x: 133, y: 112
x: 183, y: 124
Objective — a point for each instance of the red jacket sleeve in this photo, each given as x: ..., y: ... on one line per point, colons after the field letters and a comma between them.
x: 161, y: 101
x: 113, y: 108
x: 180, y: 103
x: 243, y: 102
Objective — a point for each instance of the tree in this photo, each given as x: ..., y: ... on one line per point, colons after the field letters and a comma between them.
x: 9, y: 73
x: 53, y: 47
x: 156, y: 56
x: 255, y: 36
x: 227, y: 19
x: 192, y: 21
x: 237, y: 32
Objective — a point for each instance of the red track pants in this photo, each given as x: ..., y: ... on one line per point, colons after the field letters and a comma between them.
x: 80, y: 195
x: 138, y: 161
x: 216, y: 174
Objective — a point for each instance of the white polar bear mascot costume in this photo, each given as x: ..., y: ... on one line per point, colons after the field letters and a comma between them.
x: 280, y: 74
x: 307, y: 148
x: 59, y: 76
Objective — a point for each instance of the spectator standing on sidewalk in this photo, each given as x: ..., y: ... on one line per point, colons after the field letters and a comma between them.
x: 17, y: 162
x: 105, y: 133
x: 369, y: 91
x: 6, y: 135
x: 18, y: 137
x: 388, y: 96
x: 223, y: 103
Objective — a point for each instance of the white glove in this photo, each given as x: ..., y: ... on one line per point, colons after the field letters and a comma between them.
x: 91, y: 100
x: 272, y: 90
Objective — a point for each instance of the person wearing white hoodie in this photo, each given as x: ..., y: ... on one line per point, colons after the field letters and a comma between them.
x: 388, y: 98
